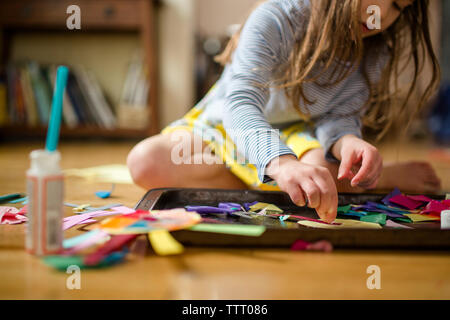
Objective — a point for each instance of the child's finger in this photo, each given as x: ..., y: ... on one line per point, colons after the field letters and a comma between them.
x: 328, y: 198
x: 368, y: 163
x: 312, y: 192
x: 345, y: 168
x: 296, y: 194
x: 374, y: 175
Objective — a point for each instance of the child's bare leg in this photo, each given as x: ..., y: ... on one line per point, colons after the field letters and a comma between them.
x: 152, y: 164
x: 407, y: 176
x: 412, y: 176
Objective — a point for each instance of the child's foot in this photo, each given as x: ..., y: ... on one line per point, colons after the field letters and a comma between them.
x: 412, y: 176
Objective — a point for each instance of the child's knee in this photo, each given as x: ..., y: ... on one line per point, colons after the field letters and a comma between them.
x: 144, y: 161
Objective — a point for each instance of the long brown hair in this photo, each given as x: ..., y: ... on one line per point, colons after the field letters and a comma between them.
x: 333, y: 33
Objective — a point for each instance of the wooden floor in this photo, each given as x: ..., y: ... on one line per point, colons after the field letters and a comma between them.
x: 206, y: 273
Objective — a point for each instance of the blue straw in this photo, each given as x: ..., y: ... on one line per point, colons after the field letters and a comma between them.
x: 54, y: 125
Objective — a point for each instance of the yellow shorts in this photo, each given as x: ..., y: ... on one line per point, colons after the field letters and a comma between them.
x: 298, y: 137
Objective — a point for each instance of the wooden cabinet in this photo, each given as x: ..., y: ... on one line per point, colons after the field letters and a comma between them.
x: 96, y: 15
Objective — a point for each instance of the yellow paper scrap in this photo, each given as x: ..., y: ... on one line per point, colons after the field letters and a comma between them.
x: 164, y: 244
x: 114, y: 173
x: 421, y: 217
x: 345, y: 224
x: 81, y: 208
x: 267, y: 206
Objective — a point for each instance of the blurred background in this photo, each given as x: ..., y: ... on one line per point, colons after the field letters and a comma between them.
x: 137, y: 65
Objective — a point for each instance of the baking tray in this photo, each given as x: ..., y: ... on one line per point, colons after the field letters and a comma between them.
x: 427, y: 235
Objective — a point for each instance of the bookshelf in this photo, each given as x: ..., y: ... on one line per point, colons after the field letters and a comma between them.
x: 96, y: 16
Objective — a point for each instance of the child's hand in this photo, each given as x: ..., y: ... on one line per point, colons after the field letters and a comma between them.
x: 306, y: 182
x: 360, y: 162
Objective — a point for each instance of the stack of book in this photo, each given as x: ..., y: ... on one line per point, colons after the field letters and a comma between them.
x: 133, y: 110
x: 26, y: 95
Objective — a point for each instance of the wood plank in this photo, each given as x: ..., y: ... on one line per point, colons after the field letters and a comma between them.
x: 98, y: 14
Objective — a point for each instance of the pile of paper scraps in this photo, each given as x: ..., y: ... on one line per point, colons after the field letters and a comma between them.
x: 108, y: 241
x: 397, y: 209
x: 394, y: 211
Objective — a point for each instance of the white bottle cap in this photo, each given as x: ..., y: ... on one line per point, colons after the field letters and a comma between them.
x: 45, y: 162
x: 445, y: 219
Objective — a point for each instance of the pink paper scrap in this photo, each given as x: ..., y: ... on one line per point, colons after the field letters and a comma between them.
x: 10, y: 215
x: 406, y: 202
x: 420, y: 198
x: 92, y: 240
x: 123, y: 210
x: 392, y: 224
x: 435, y: 207
x: 301, y: 245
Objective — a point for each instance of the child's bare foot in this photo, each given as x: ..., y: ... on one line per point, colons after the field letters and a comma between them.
x: 411, y: 176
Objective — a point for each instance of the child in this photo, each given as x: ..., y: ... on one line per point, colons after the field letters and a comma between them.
x: 314, y: 71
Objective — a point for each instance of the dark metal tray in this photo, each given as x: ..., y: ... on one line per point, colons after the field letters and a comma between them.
x: 427, y: 235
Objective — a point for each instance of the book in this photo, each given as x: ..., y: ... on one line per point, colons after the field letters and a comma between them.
x: 11, y: 96
x: 28, y: 97
x: 133, y: 112
x: 69, y: 116
x: 74, y: 94
x: 42, y: 92
x: 3, y: 104
x: 96, y: 102
x: 100, y: 102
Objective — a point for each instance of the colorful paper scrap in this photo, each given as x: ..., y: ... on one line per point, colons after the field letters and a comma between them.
x: 344, y: 224
x: 237, y: 229
x: 375, y: 218
x: 164, y: 244
x: 421, y: 217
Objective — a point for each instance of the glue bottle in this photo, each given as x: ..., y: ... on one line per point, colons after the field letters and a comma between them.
x: 45, y: 187
x: 45, y: 183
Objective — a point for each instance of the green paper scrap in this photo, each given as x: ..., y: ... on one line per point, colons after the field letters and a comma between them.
x: 238, y: 229
x: 344, y: 209
x: 74, y: 241
x: 375, y: 218
x: 405, y: 220
x: 24, y: 199
x: 63, y: 262
x: 352, y: 213
x: 8, y: 198
x: 447, y: 196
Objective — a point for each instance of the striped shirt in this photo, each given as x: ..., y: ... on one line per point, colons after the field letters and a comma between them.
x: 250, y: 112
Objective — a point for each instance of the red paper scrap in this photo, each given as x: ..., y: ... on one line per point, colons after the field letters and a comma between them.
x: 24, y: 210
x: 406, y: 202
x: 420, y: 198
x: 301, y: 245
x: 114, y: 244
x: 10, y: 215
x: 435, y: 207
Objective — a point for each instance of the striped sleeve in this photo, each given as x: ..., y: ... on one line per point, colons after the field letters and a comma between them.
x: 263, y: 47
x: 333, y: 125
